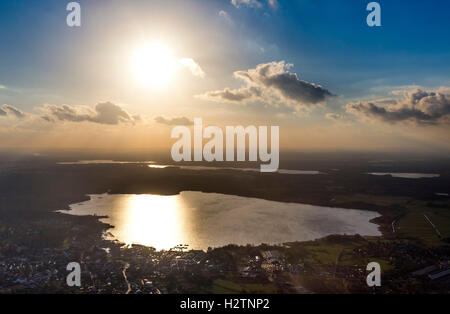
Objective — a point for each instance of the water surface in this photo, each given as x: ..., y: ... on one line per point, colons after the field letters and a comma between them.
x: 152, y: 164
x: 204, y: 220
x: 102, y: 162
x: 406, y: 175
x: 281, y: 171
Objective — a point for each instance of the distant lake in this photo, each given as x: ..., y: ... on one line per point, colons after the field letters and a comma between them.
x: 406, y: 175
x: 102, y: 162
x: 152, y: 164
x: 282, y: 171
x: 204, y: 220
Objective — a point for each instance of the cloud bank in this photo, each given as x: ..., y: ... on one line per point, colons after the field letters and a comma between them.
x: 103, y: 113
x: 420, y: 107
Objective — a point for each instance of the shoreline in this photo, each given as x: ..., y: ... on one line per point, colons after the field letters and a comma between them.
x: 379, y: 221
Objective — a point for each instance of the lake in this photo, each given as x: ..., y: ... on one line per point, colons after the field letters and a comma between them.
x: 153, y: 165
x: 204, y: 220
x: 281, y: 171
x: 406, y: 175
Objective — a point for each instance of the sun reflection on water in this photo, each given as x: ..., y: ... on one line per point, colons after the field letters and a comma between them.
x: 204, y: 220
x: 152, y: 220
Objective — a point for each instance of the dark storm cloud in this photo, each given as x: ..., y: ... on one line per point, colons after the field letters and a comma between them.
x: 103, y: 113
x: 270, y: 80
x: 421, y: 107
x: 174, y: 121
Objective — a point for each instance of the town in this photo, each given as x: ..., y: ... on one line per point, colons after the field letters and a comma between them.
x: 335, y: 264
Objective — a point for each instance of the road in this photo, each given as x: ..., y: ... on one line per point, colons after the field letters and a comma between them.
x: 124, y: 273
x: 435, y: 229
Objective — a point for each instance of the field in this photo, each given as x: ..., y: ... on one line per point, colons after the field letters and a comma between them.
x: 415, y: 218
x: 418, y: 222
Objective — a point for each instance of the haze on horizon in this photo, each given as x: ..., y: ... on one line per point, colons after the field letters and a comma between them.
x: 134, y: 70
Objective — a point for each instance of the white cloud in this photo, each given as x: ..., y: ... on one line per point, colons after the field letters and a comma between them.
x: 254, y: 3
x: 226, y: 17
x: 192, y: 66
x: 273, y: 4
x: 248, y: 3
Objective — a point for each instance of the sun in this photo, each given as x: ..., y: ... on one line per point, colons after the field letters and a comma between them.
x: 153, y: 65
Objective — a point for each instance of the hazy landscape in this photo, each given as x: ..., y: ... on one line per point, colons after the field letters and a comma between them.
x: 154, y: 207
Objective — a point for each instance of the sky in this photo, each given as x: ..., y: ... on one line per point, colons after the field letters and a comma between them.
x: 135, y: 69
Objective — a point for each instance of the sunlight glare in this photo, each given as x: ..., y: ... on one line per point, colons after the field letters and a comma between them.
x: 153, y: 220
x: 153, y: 65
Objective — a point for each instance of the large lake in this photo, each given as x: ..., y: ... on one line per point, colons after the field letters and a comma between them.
x: 204, y: 220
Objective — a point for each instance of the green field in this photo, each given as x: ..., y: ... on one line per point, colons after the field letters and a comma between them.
x: 371, y: 199
x: 412, y: 223
x: 415, y: 225
x: 325, y: 252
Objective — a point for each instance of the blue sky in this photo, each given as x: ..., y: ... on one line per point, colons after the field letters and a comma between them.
x: 328, y: 42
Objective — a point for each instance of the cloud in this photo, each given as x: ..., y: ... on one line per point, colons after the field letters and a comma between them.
x: 419, y: 106
x: 334, y: 116
x: 48, y: 118
x: 273, y: 3
x: 248, y: 3
x: 103, y: 113
x: 192, y: 66
x: 2, y: 86
x: 174, y: 121
x: 223, y: 13
x: 225, y: 16
x: 271, y: 83
x: 8, y: 110
x: 254, y: 3
x: 236, y: 95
